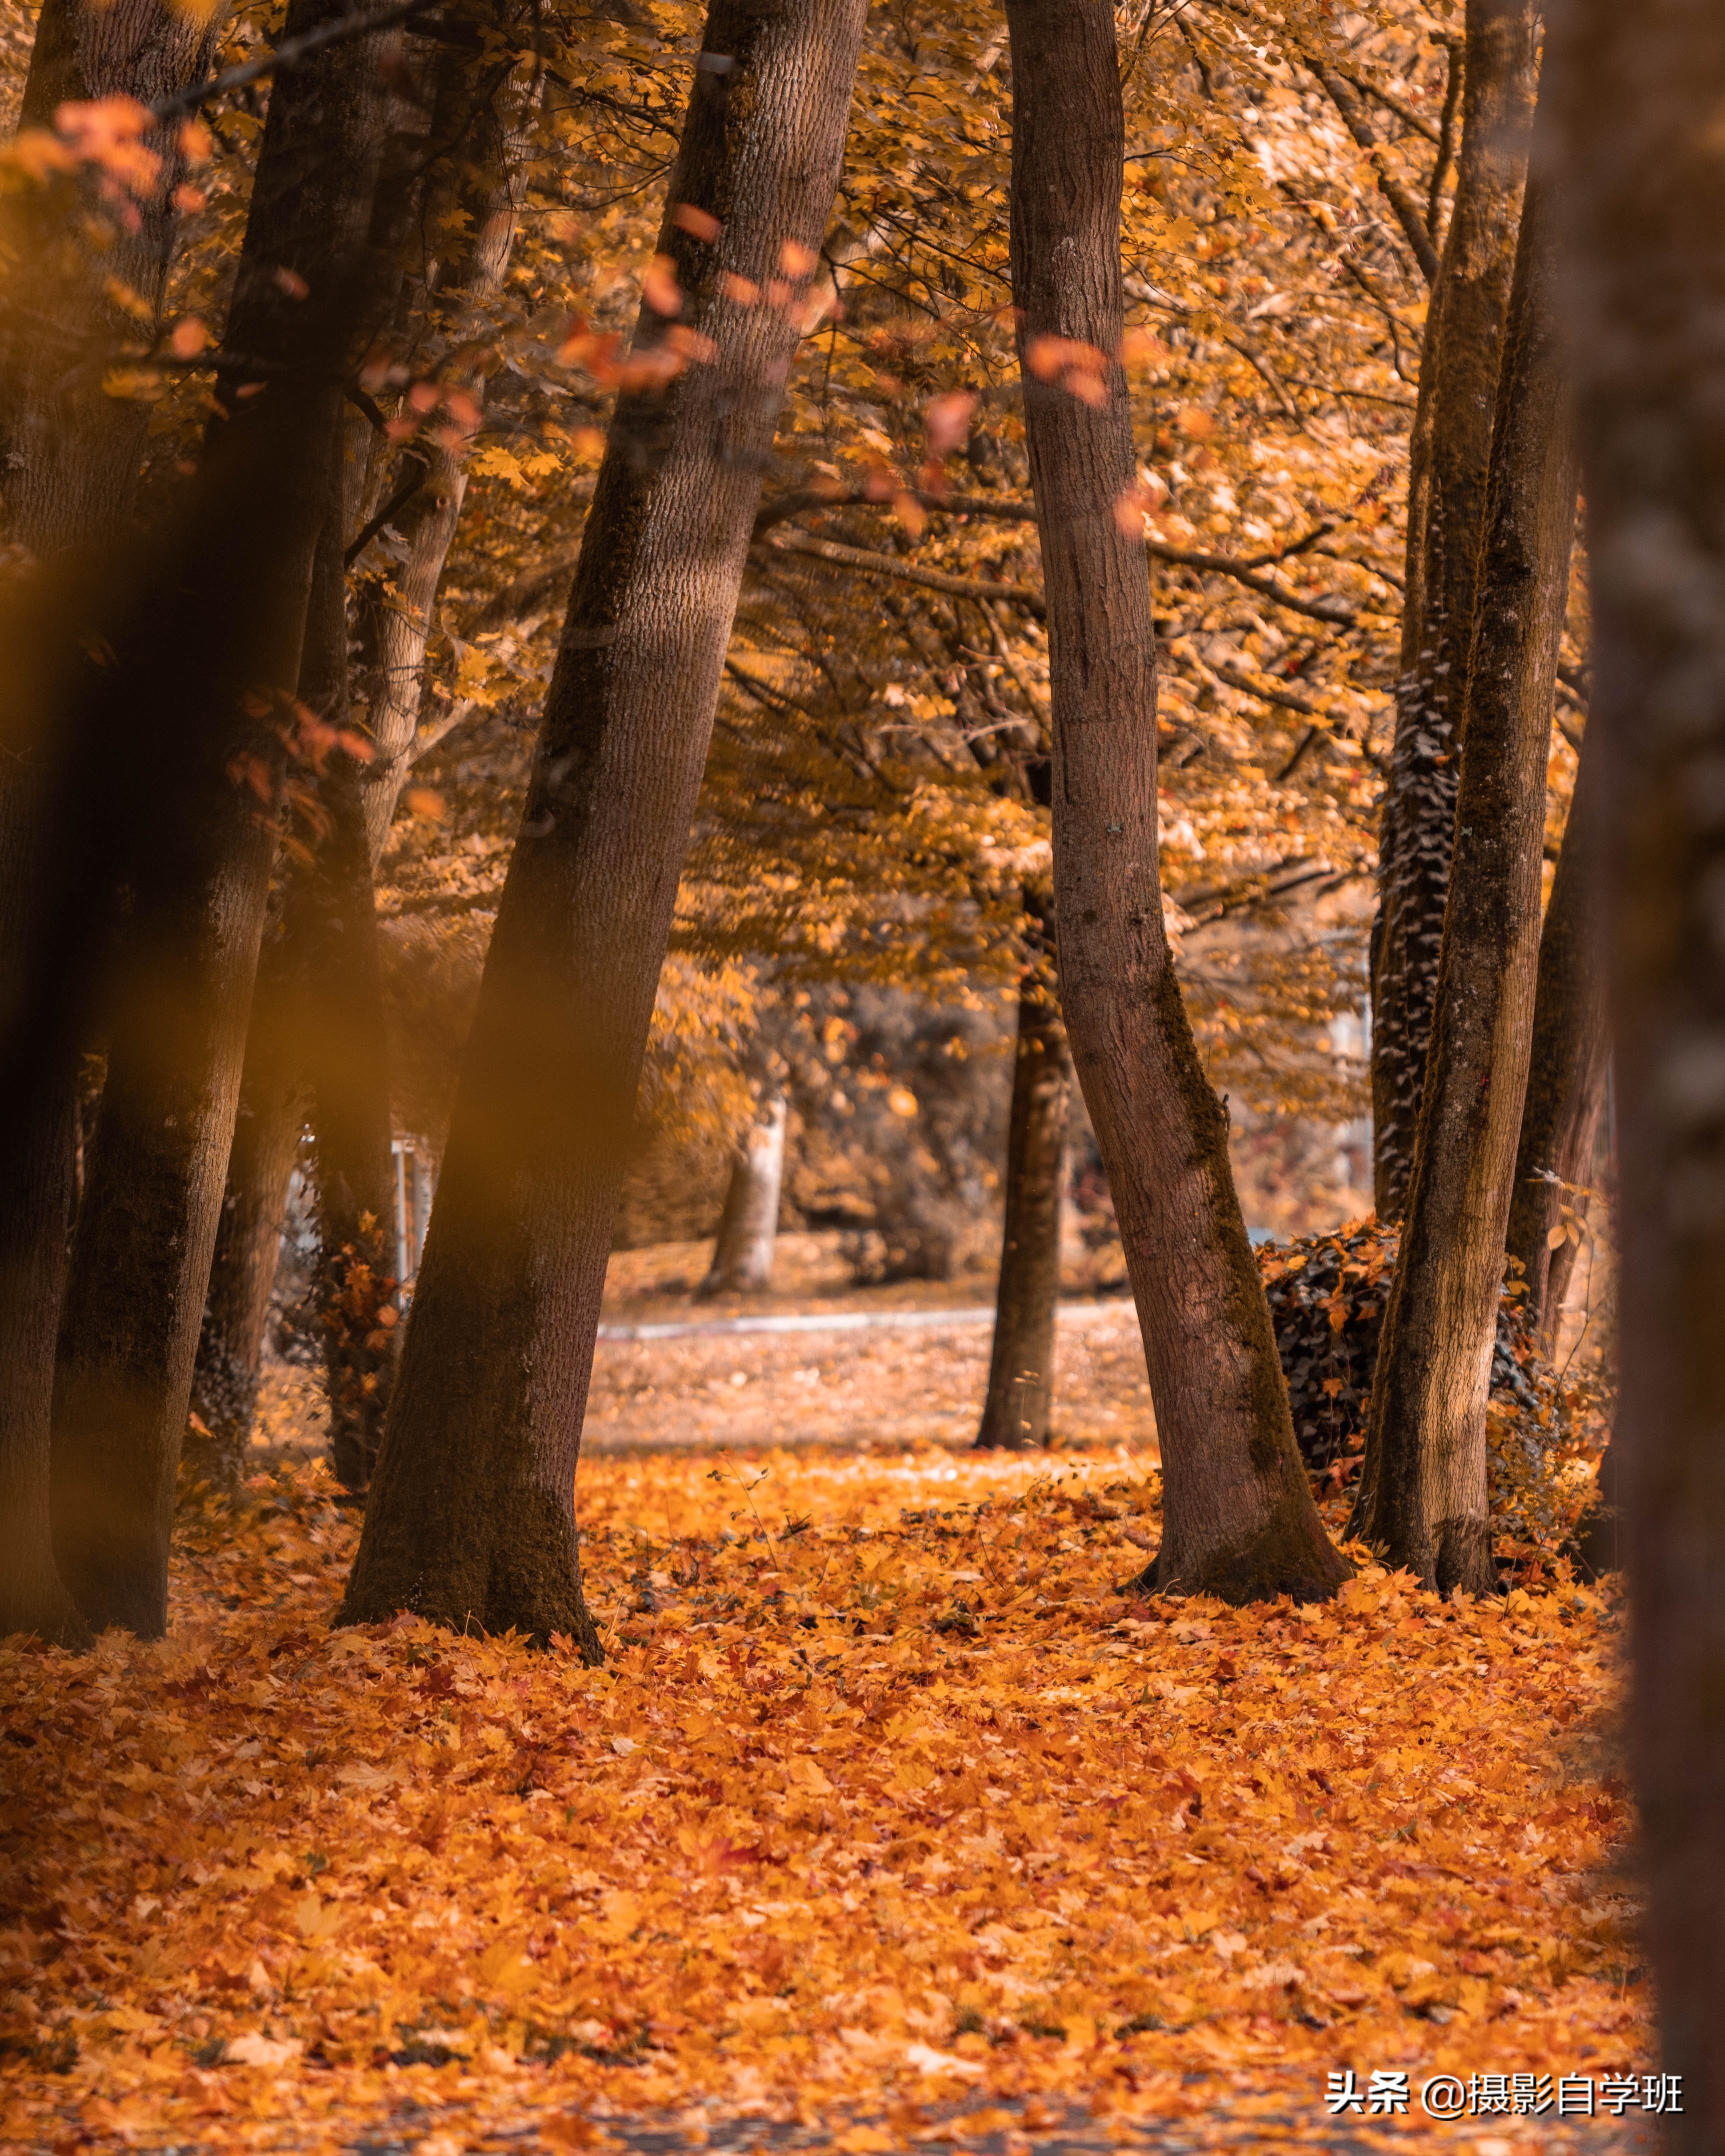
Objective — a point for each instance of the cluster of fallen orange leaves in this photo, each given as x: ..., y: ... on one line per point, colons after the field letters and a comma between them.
x: 888, y: 1805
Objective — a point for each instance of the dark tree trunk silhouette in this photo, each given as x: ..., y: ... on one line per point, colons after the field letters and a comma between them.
x: 1566, y: 1077
x: 1450, y: 447
x: 1238, y: 1521
x: 1423, y: 1497
x: 183, y: 731
x: 471, y: 1517
x: 748, y: 1225
x: 1020, y: 1401
x: 1640, y: 91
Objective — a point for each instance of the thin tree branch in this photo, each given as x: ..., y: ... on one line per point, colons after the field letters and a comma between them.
x: 288, y: 54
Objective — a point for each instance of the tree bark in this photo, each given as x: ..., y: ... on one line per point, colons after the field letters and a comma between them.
x: 471, y: 1517
x: 1639, y: 92
x: 1423, y: 1497
x: 182, y: 726
x: 1451, y: 448
x: 748, y: 1226
x: 1239, y: 1520
x: 486, y: 187
x: 1566, y: 1077
x: 1020, y: 1401
x: 332, y: 928
x: 70, y: 451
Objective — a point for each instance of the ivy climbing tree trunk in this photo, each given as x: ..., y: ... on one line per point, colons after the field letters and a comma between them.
x: 1566, y: 1076
x: 1451, y: 449
x: 471, y: 1517
x: 1639, y: 92
x: 748, y: 1226
x: 1238, y: 1521
x: 177, y: 716
x: 1423, y: 1495
x: 1020, y: 1401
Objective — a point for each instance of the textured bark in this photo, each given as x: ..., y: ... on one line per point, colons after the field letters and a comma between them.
x: 1641, y: 91
x: 1451, y: 447
x: 1238, y: 1521
x: 1423, y: 1497
x: 331, y: 928
x: 748, y: 1226
x: 1020, y: 1401
x: 1566, y: 1077
x: 481, y: 193
x: 471, y: 1517
x: 69, y: 452
x: 179, y: 714
x: 270, y: 1115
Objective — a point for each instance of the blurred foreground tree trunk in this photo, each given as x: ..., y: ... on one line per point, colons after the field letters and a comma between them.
x: 1423, y: 1493
x: 1020, y: 1401
x: 471, y: 1519
x: 1566, y: 1078
x: 190, y: 723
x: 748, y: 1226
x: 1639, y: 92
x: 1239, y: 1520
x: 1448, y: 452
x: 68, y: 466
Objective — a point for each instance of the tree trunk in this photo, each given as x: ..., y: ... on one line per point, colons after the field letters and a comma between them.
x: 471, y: 1517
x: 395, y: 619
x: 332, y: 928
x: 71, y: 451
x: 183, y: 727
x: 748, y: 1226
x: 1238, y: 1521
x: 1020, y: 1396
x: 1641, y: 91
x: 1423, y: 1498
x: 1452, y: 437
x: 261, y: 1165
x: 1566, y: 1078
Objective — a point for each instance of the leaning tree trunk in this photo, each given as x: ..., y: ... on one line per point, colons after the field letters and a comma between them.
x: 1423, y: 1497
x: 1238, y: 1521
x: 1452, y: 435
x: 1019, y: 1402
x: 748, y: 1226
x: 184, y: 731
x: 1641, y: 91
x: 471, y: 1519
x: 1566, y: 1078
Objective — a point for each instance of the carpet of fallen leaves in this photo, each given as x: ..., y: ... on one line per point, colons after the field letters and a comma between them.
x: 888, y: 1810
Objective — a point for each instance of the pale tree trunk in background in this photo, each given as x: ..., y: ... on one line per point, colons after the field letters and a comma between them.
x: 1566, y: 1077
x: 222, y: 611
x: 1020, y: 1401
x: 69, y: 456
x: 1641, y: 91
x: 71, y: 452
x: 471, y: 1517
x: 395, y: 619
x: 748, y: 1226
x: 1423, y: 1493
x: 1451, y: 446
x: 1238, y: 1521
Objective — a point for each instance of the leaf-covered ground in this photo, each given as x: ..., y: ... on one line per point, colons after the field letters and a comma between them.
x: 889, y: 1812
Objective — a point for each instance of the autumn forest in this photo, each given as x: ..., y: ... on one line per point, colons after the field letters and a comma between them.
x: 862, y: 1075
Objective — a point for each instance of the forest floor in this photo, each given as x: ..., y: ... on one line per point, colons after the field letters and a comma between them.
x: 890, y: 1820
